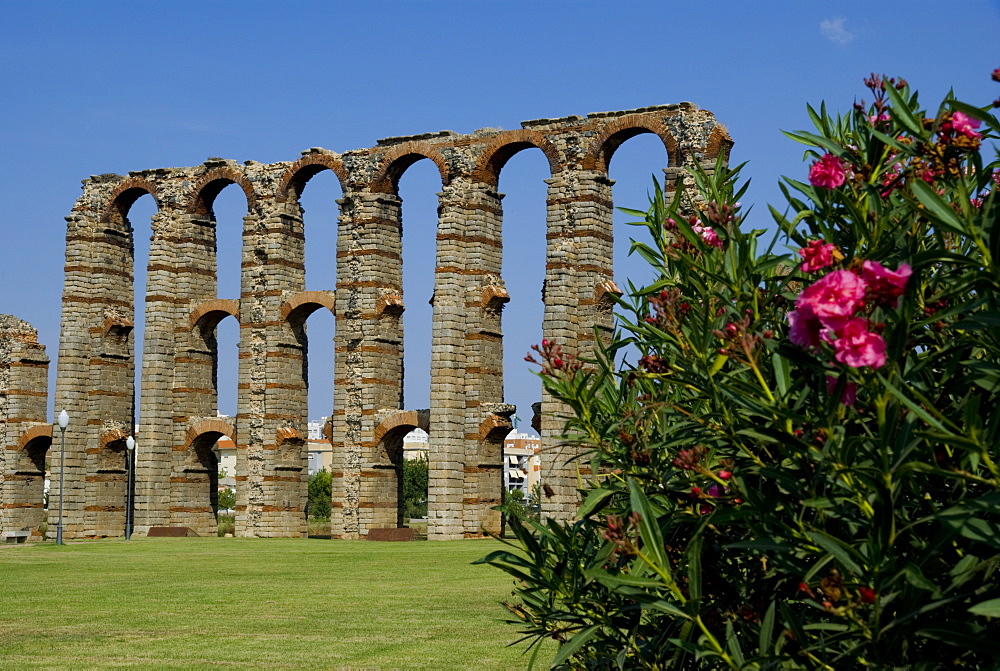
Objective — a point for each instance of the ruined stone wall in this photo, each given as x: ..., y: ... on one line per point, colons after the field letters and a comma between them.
x: 467, y: 417
x: 25, y: 436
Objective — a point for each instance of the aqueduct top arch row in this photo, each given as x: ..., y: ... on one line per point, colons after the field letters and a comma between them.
x: 177, y: 418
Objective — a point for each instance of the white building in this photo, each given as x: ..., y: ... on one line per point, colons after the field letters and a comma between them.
x: 522, y: 464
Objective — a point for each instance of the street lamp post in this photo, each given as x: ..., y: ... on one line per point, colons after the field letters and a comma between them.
x: 63, y: 423
x: 130, y: 449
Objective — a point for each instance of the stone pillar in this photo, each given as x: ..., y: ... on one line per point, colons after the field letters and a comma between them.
x: 273, y: 477
x: 25, y: 435
x: 95, y: 381
x: 470, y: 256
x: 177, y: 368
x: 73, y: 367
x: 579, y: 275
x: 447, y: 454
x: 368, y: 369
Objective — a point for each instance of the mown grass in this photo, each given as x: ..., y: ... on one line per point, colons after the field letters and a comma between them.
x: 193, y: 602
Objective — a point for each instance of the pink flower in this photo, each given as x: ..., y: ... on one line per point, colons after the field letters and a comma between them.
x: 850, y: 393
x: 803, y: 327
x: 817, y: 256
x: 885, y: 286
x: 963, y: 125
x: 828, y: 172
x: 833, y: 296
x: 856, y: 346
x: 708, y: 235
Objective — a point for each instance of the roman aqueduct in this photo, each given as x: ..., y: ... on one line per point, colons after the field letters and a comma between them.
x: 177, y: 419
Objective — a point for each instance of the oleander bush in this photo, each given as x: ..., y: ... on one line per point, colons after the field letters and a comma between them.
x: 801, y: 469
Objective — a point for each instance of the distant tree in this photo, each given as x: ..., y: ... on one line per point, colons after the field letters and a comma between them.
x: 227, y: 499
x: 320, y: 493
x: 415, y: 487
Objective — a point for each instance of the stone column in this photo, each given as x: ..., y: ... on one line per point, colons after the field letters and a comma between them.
x: 176, y: 373
x: 25, y: 435
x: 470, y: 255
x: 368, y: 369
x: 578, y: 275
x: 95, y: 381
x: 272, y: 419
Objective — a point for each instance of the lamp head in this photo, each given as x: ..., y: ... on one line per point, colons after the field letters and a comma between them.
x: 130, y: 443
x: 63, y: 420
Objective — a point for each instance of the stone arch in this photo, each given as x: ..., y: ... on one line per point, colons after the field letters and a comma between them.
x: 34, y: 433
x: 502, y: 149
x: 124, y: 195
x: 386, y: 471
x: 34, y: 444
x: 399, y: 158
x: 24, y: 480
x: 208, y: 314
x: 297, y: 308
x: 295, y: 177
x: 196, y: 477
x: 209, y: 185
x: 407, y: 419
x: 219, y: 427
x: 615, y: 133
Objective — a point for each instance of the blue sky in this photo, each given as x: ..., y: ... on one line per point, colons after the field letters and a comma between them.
x: 96, y: 87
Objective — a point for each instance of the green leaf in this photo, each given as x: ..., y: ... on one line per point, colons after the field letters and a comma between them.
x: 989, y: 608
x: 649, y: 528
x: 766, y: 631
x: 900, y: 112
x: 567, y: 649
x: 782, y: 373
x: 841, y: 551
x: 620, y: 579
x: 917, y: 410
x: 595, y: 500
x: 936, y: 208
x: 733, y: 643
x: 666, y: 607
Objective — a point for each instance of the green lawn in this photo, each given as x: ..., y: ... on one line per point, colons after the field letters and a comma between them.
x: 192, y: 602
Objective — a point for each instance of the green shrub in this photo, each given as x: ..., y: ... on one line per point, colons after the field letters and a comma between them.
x: 227, y: 524
x: 320, y: 495
x: 521, y: 506
x: 801, y: 469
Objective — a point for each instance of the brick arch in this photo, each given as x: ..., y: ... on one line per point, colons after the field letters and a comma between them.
x: 124, y: 195
x: 615, y: 133
x: 34, y: 433
x: 209, y: 426
x: 493, y: 424
x: 502, y: 149
x: 399, y: 158
x: 294, y: 179
x: 410, y: 419
x: 304, y: 303
x: 213, y: 311
x: 112, y: 436
x: 208, y: 186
